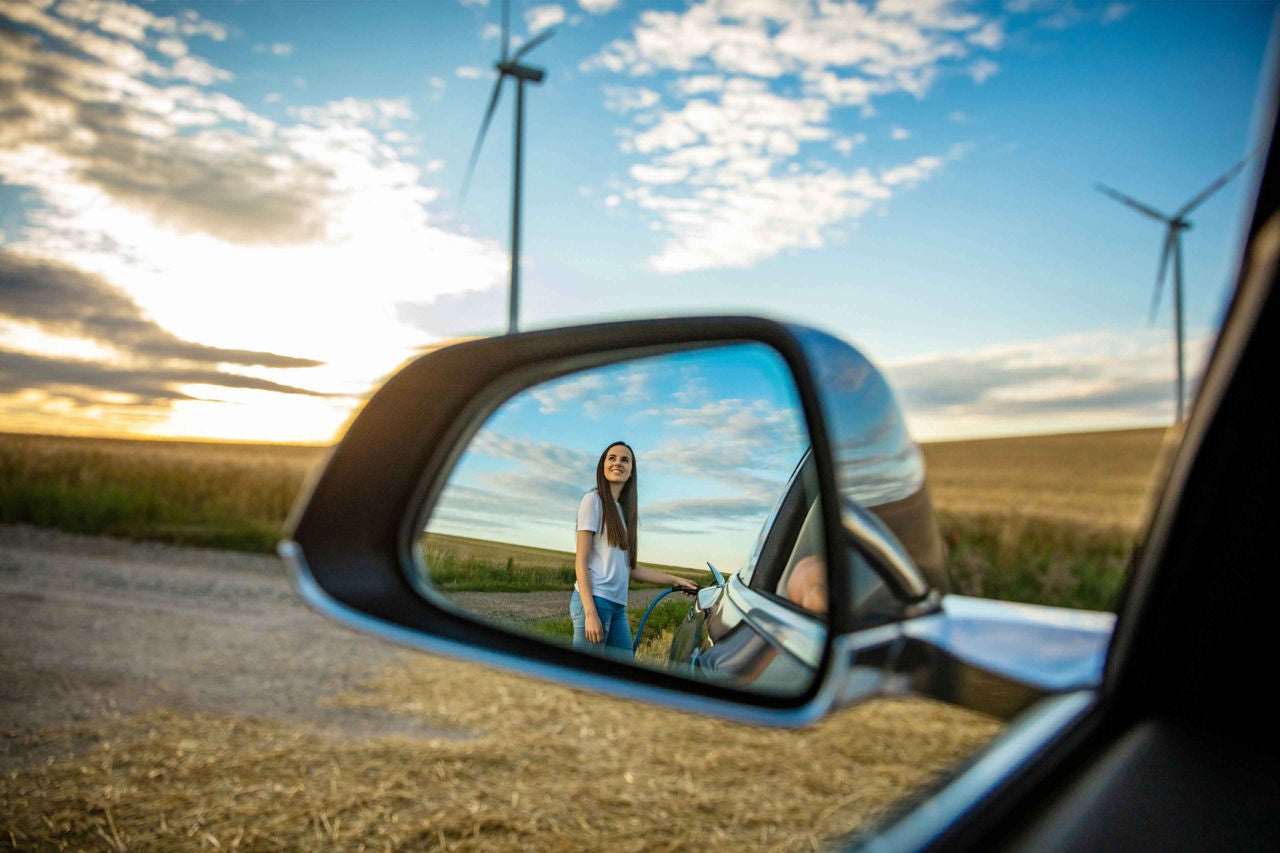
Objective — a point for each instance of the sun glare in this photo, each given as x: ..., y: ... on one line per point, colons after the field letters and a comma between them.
x: 235, y: 415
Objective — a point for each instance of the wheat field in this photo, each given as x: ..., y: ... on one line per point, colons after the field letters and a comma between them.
x: 1101, y: 479
x: 1047, y: 519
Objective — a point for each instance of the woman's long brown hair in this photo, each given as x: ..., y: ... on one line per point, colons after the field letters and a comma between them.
x: 617, y: 535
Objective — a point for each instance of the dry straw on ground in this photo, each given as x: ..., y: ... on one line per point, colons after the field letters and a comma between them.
x: 548, y: 768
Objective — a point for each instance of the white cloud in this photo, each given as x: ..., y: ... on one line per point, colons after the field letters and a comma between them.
x: 747, y: 119
x: 735, y: 209
x: 117, y: 19
x: 700, y: 84
x: 899, y: 134
x: 768, y: 39
x: 171, y: 47
x: 595, y: 393
x: 982, y: 70
x: 910, y: 174
x: 199, y: 72
x: 1116, y: 12
x: 1095, y: 380
x: 625, y: 99
x: 552, y: 396
x: 846, y: 144
x: 736, y: 226
x: 990, y: 36
x: 216, y: 221
x: 353, y: 112
x: 756, y: 82
x: 541, y: 17
x: 598, y: 7
x: 658, y: 174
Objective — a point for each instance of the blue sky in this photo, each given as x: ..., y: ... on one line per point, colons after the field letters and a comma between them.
x: 231, y: 220
x: 716, y: 433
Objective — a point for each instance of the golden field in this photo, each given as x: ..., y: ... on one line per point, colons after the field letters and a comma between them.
x: 1046, y: 519
x: 1099, y: 479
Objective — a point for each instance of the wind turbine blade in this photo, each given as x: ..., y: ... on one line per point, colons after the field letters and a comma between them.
x: 1136, y: 205
x: 1213, y: 187
x: 1170, y: 245
x: 484, y: 128
x: 532, y: 43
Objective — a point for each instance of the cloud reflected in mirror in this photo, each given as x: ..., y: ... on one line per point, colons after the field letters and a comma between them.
x: 635, y: 479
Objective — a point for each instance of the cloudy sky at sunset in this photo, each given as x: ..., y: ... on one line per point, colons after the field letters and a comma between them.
x: 232, y: 220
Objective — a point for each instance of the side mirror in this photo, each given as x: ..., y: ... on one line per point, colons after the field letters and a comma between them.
x: 443, y: 519
x: 771, y: 468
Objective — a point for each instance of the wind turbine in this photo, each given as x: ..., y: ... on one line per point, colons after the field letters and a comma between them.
x: 1175, y: 225
x: 510, y: 66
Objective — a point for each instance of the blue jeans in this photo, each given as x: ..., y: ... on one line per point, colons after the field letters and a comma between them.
x: 613, y: 616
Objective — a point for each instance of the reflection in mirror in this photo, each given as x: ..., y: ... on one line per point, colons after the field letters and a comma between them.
x: 878, y: 467
x: 674, y: 486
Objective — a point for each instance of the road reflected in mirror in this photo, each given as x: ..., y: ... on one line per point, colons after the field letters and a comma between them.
x: 661, y: 509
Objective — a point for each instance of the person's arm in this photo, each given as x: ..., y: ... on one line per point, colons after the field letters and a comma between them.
x: 641, y: 573
x: 582, y: 554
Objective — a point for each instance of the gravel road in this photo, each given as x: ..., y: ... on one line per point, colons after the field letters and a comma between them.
x: 92, y: 627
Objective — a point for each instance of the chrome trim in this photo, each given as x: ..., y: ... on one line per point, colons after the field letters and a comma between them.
x: 880, y: 545
x: 319, y: 600
x: 996, y: 764
x: 1051, y: 648
x: 801, y: 636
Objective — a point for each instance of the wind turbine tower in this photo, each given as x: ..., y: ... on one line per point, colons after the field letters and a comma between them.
x: 1174, y: 226
x: 509, y: 65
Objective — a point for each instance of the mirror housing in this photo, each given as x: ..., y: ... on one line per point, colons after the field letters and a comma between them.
x: 349, y: 541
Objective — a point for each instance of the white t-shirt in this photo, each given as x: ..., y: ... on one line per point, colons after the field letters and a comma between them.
x: 610, y: 569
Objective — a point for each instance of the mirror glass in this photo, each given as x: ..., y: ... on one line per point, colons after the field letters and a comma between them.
x: 713, y: 487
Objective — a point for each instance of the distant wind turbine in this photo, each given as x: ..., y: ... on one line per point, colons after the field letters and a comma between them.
x: 1175, y: 225
x: 509, y: 66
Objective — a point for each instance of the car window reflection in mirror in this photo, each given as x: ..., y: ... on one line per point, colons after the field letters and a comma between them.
x: 685, y: 470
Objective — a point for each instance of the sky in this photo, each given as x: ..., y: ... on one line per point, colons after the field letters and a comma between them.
x: 234, y: 220
x: 716, y: 435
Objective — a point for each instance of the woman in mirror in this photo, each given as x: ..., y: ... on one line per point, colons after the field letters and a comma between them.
x: 605, y: 554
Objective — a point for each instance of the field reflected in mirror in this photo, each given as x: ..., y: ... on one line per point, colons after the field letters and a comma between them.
x: 635, y: 479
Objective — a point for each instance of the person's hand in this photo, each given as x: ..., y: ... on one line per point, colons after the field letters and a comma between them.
x: 595, y: 628
x: 685, y: 585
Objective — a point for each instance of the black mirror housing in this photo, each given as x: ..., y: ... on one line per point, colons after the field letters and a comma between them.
x: 350, y: 541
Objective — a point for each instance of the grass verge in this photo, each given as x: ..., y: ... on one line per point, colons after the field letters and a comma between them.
x: 1036, y: 560
x: 458, y: 564
x: 211, y: 495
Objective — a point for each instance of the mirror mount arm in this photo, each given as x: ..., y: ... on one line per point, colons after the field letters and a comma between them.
x: 882, y: 548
